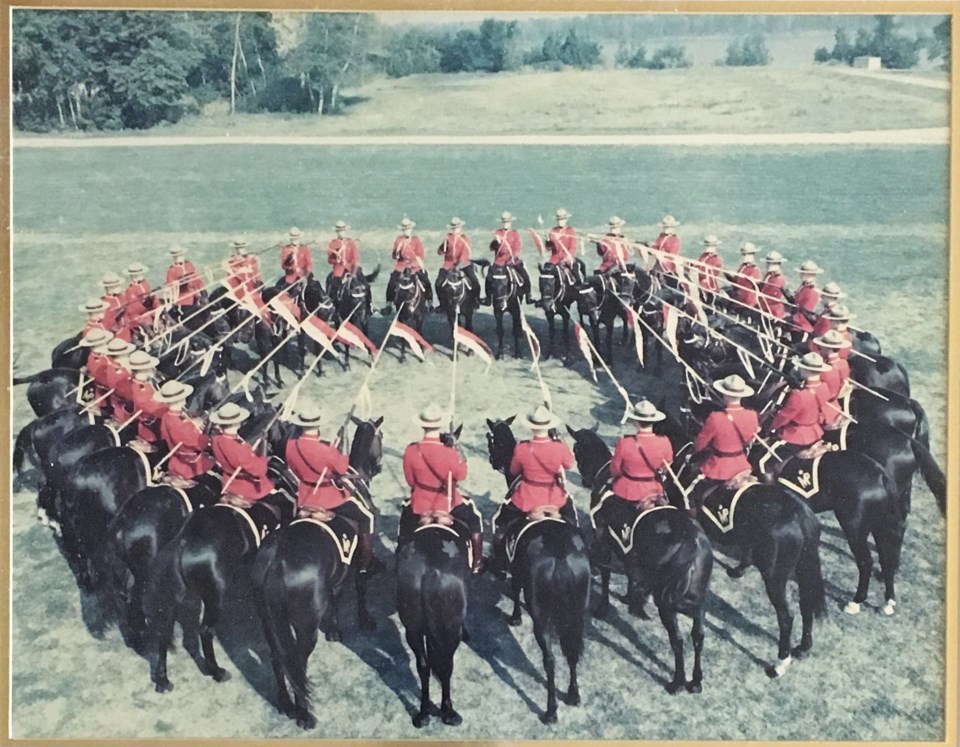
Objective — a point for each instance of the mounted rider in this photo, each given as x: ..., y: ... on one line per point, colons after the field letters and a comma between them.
x: 243, y: 269
x: 97, y: 340
x: 724, y: 441
x: 183, y: 282
x: 830, y: 295
x: 243, y: 468
x: 668, y: 244
x: 185, y: 436
x: 409, y: 255
x: 539, y: 466
x: 806, y: 298
x: 773, y: 289
x: 433, y: 469
x: 119, y: 378
x: 136, y: 297
x: 94, y: 309
x: 455, y: 251
x: 562, y: 245
x: 746, y: 282
x: 114, y: 315
x: 324, y: 489
x: 837, y: 379
x: 838, y: 317
x: 296, y: 259
x: 710, y: 268
x: 614, y: 250
x: 636, y: 474
x: 344, y: 257
x: 506, y: 247
x: 143, y: 393
x: 797, y: 422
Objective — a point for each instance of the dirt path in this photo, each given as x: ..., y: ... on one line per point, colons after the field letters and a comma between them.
x: 887, y: 76
x: 919, y: 136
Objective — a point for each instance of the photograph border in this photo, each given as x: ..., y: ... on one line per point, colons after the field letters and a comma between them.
x: 766, y: 7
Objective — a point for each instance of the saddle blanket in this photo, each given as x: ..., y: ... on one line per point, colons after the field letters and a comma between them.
x: 258, y: 534
x: 720, y: 506
x: 802, y: 476
x: 462, y: 538
x: 516, y: 530
x: 342, y: 532
x: 622, y: 532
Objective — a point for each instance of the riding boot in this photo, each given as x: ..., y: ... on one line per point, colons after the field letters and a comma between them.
x: 369, y: 563
x: 476, y: 544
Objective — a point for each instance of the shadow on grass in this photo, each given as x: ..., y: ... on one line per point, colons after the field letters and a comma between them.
x: 626, y: 629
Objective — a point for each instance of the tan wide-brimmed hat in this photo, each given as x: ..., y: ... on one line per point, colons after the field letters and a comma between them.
x: 432, y: 417
x: 94, y: 306
x: 775, y: 258
x: 832, y: 290
x: 173, y: 391
x: 809, y: 267
x: 96, y: 338
x: 118, y: 347
x: 110, y: 280
x: 832, y: 339
x: 405, y: 224
x: 230, y: 414
x: 307, y: 415
x: 563, y: 214
x: 711, y: 241
x: 542, y: 419
x: 733, y: 386
x: 238, y: 242
x: 340, y: 226
x: 838, y: 313
x: 456, y: 222
x: 669, y: 222
x: 811, y: 362
x: 141, y: 360
x: 177, y: 251
x: 507, y: 217
x: 616, y: 222
x: 294, y: 232
x: 645, y: 412
x: 136, y: 268
x: 747, y: 247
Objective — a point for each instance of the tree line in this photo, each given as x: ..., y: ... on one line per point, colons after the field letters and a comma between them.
x: 896, y: 49
x: 111, y: 70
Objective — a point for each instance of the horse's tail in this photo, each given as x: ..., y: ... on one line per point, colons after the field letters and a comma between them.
x: 164, y: 592
x: 373, y: 275
x: 932, y: 474
x: 25, y: 379
x: 569, y: 592
x: 21, y: 447
x: 443, y: 600
x: 921, y: 431
x: 687, y: 576
x: 813, y: 598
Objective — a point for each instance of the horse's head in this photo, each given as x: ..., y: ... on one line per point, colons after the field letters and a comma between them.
x: 408, y: 290
x: 503, y: 288
x: 591, y: 453
x: 501, y: 443
x: 366, y: 453
x: 316, y: 300
x: 550, y: 287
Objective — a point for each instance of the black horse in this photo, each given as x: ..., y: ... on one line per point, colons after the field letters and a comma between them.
x: 51, y: 389
x: 411, y: 301
x: 454, y: 295
x: 314, y: 301
x: 558, y: 292
x: 615, y: 293
x: 38, y: 437
x: 505, y: 297
x: 69, y: 353
x: 354, y: 301
x: 671, y: 558
x: 882, y: 372
x: 297, y: 577
x: 551, y: 568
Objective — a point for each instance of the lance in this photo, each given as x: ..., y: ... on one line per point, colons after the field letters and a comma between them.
x: 129, y: 420
x: 676, y: 481
x: 79, y: 388
x: 157, y: 472
x: 453, y: 368
x: 623, y: 392
x: 102, y: 397
x: 209, y: 353
x: 865, y: 388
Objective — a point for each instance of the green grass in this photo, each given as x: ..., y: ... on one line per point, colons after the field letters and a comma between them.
x: 866, y: 215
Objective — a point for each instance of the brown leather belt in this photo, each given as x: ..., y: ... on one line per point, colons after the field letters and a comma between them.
x: 542, y: 484
x: 728, y: 453
x: 430, y: 488
x: 634, y: 478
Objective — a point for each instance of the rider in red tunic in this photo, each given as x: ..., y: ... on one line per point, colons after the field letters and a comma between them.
x: 343, y: 256
x: 746, y: 282
x: 137, y: 298
x: 506, y: 246
x: 708, y: 271
x: 562, y: 245
x: 114, y: 314
x: 243, y: 467
x: 807, y: 297
x: 296, y: 260
x: 409, y: 254
x: 836, y: 379
x: 183, y: 282
x: 433, y: 469
x: 798, y: 421
x: 147, y: 409
x: 455, y: 251
x: 830, y: 296
x: 773, y: 289
x: 96, y: 366
x: 321, y: 468
x: 243, y: 269
x: 613, y: 248
x: 668, y: 246
x: 724, y: 441
x: 119, y: 378
x: 94, y: 309
x: 184, y: 435
x: 837, y: 317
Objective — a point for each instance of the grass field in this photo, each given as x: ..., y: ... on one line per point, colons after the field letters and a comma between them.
x: 700, y: 100
x: 864, y: 214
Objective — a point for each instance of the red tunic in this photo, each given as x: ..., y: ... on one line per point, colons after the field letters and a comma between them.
x: 539, y: 462
x: 633, y: 458
x: 184, y: 280
x: 771, y: 294
x: 614, y: 252
x: 343, y: 255
x: 151, y: 411
x: 251, y: 482
x: 798, y: 421
x: 807, y: 299
x: 114, y: 303
x: 669, y: 243
x: 191, y: 458
x: 133, y: 302
x: 120, y: 380
x: 316, y: 464
x: 746, y: 283
x: 408, y: 251
x: 296, y: 261
x: 562, y: 243
x: 97, y: 365
x: 429, y: 467
x: 92, y: 324
x: 729, y: 433
x: 833, y: 381
x: 243, y: 274
x: 455, y: 250
x: 709, y: 275
x: 844, y: 352
x: 506, y: 246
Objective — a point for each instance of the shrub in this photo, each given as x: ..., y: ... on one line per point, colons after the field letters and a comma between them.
x: 748, y: 52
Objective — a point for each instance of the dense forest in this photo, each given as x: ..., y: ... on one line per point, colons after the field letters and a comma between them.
x: 110, y: 70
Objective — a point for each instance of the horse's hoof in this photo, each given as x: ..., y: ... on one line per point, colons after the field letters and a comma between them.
x: 573, y: 698
x: 800, y: 652
x: 638, y: 611
x: 674, y: 687
x: 307, y: 721
x: 332, y: 635
x: 550, y: 717
x: 421, y: 720
x: 852, y: 608
x: 779, y: 669
x: 164, y: 686
x: 450, y: 717
x: 736, y: 572
x: 287, y: 709
x: 514, y: 620
x: 694, y: 687
x: 890, y: 607
x: 220, y: 674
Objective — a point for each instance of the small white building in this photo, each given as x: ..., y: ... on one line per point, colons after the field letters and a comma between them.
x: 867, y: 63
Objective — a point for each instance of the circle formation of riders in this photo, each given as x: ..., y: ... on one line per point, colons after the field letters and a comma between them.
x: 776, y: 363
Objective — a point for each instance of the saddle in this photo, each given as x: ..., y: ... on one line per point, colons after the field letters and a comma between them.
x: 318, y: 513
x: 175, y: 481
x: 802, y: 475
x: 443, y: 518
x: 516, y: 529
x: 544, y: 512
x: 720, y: 506
x: 343, y: 533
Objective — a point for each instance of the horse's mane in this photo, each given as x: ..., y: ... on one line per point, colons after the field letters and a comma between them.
x: 363, y: 441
